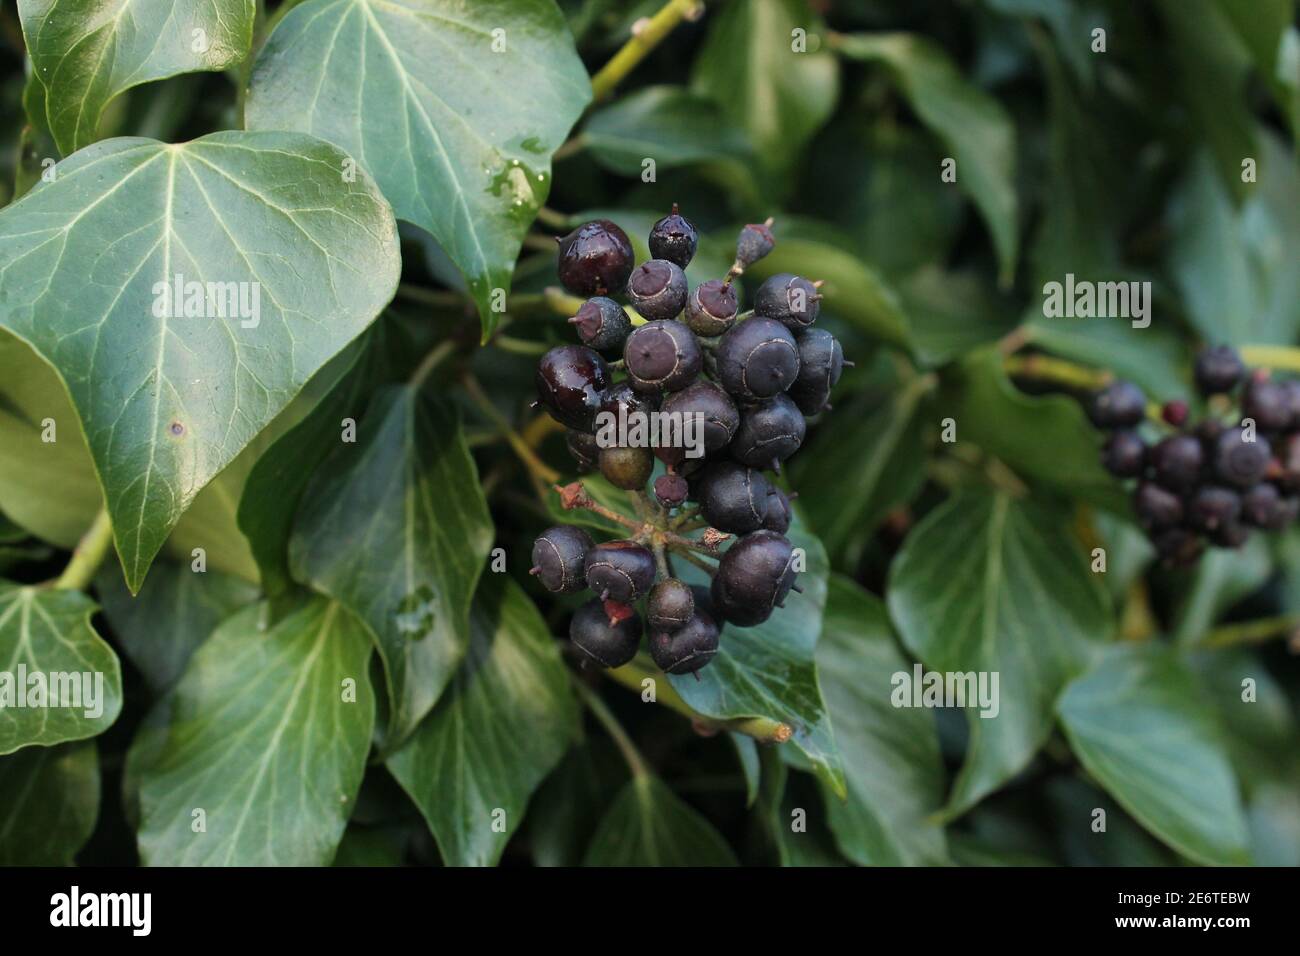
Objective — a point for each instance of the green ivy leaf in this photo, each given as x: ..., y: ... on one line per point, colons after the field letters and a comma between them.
x: 891, y: 754
x: 990, y: 584
x: 648, y: 825
x: 395, y: 526
x: 179, y: 398
x: 86, y: 52
x: 260, y: 734
x: 972, y: 123
x: 503, y: 725
x: 49, y: 801
x: 565, y: 811
x: 458, y: 135
x: 1134, y: 722
x: 48, y: 632
x: 769, y: 670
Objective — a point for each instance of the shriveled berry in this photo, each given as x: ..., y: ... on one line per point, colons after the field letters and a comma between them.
x: 671, y: 490
x: 1124, y: 455
x: 733, y: 498
x: 582, y: 448
x: 1211, y: 507
x: 754, y: 242
x: 620, y: 571
x: 1218, y: 370
x: 662, y: 356
x: 602, y: 324
x: 670, y: 605
x: 571, y: 382
x: 609, y: 645
x: 595, y: 259
x: 779, y: 512
x: 1268, y: 404
x: 1262, y: 506
x: 770, y: 432
x: 674, y: 237
x: 687, y: 649
x: 1120, y: 404
x: 715, y: 408
x: 757, y: 358
x: 658, y: 289
x: 627, y: 468
x: 1177, y: 461
x: 711, y: 308
x: 1156, y: 507
x: 753, y: 577
x: 1240, y: 462
x: 790, y: 299
x: 559, y: 558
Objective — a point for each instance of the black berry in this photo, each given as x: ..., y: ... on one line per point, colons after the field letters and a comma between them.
x: 718, y: 411
x: 602, y: 324
x: 1240, y: 462
x: 821, y: 361
x: 571, y: 382
x: 1119, y: 405
x: 609, y: 645
x: 559, y: 558
x: 1124, y: 455
x: 1177, y: 461
x: 753, y: 577
x: 770, y: 432
x: 674, y: 238
x: 662, y: 356
x: 658, y: 289
x: 595, y: 259
x: 1218, y: 370
x: 1268, y: 404
x: 733, y: 498
x: 1212, y: 507
x: 757, y: 358
x: 670, y: 605
x: 779, y: 512
x: 1157, y: 507
x: 583, y: 449
x: 687, y: 649
x: 1262, y: 506
x: 620, y: 571
x: 711, y: 308
x: 624, y: 403
x: 790, y: 299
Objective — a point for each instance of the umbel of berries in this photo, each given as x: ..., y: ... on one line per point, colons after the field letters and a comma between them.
x: 745, y: 381
x: 1213, y: 481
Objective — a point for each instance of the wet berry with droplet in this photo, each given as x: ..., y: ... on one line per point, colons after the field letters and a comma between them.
x: 674, y: 237
x: 595, y: 259
x: 571, y: 381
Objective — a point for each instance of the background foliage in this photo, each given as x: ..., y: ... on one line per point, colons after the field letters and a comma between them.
x: 370, y: 562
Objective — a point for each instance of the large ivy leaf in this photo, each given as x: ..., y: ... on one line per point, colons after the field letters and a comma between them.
x: 1134, y: 722
x: 990, y: 584
x: 85, y: 52
x: 1220, y: 579
x: 769, y: 670
x: 267, y: 734
x: 47, y: 634
x: 648, y: 825
x: 749, y: 66
x: 972, y: 123
x: 565, y: 811
x: 160, y: 628
x: 167, y: 403
x: 49, y: 801
x: 395, y: 527
x: 503, y: 725
x: 454, y: 108
x: 891, y: 754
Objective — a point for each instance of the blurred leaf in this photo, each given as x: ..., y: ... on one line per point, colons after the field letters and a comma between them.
x: 953, y: 313
x: 789, y: 807
x: 1074, y: 803
x: 974, y: 125
x: 747, y: 65
x: 990, y: 584
x: 1220, y: 579
x: 567, y: 807
x: 1267, y: 28
x: 1155, y: 358
x: 505, y: 721
x: 49, y: 801
x: 647, y: 825
x: 1135, y: 725
x: 891, y: 754
x: 371, y: 846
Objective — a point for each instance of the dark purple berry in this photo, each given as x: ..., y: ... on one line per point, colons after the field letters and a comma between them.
x: 1212, y: 507
x: 624, y: 404
x: 1174, y: 412
x: 674, y: 238
x: 1291, y: 390
x: 671, y: 490
x: 627, y: 468
x: 717, y: 411
x: 1218, y: 370
x: 1124, y: 455
x: 1268, y: 404
x: 1119, y: 405
x: 571, y: 382
x: 711, y: 308
x: 754, y: 242
x: 662, y: 356
x: 821, y: 361
x: 790, y: 299
x: 609, y: 645
x: 753, y: 577
x: 670, y: 605
x: 559, y: 558
x: 620, y: 571
x: 1240, y: 462
x: 770, y: 432
x: 583, y: 449
x: 1156, y: 507
x: 1177, y: 461
x: 658, y: 289
x: 732, y: 497
x: 602, y: 324
x: 779, y: 512
x: 1262, y: 506
x: 1288, y: 467
x: 687, y: 649
x: 595, y: 259
x: 757, y: 358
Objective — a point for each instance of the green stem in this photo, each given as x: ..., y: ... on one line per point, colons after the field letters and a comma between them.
x: 650, y: 34
x: 539, y: 469
x: 435, y: 357
x: 437, y: 298
x: 1051, y: 369
x: 1252, y: 632
x: 1284, y: 357
x: 508, y: 343
x: 549, y: 217
x: 635, y: 762
x: 88, y: 556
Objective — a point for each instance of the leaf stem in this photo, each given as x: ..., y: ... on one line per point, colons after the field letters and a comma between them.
x: 635, y: 762
x: 550, y: 217
x: 539, y: 469
x: 88, y: 555
x: 646, y: 35
x: 1252, y: 632
x: 1284, y: 357
x: 1051, y: 369
x: 435, y: 357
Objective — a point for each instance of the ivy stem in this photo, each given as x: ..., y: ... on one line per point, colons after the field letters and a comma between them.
x: 88, y: 555
x: 550, y: 217
x: 1252, y: 632
x: 539, y: 469
x: 696, y: 560
x: 561, y: 302
x: 1051, y: 369
x: 646, y: 35
x: 1272, y: 356
x: 435, y: 357
x: 437, y: 298
x: 635, y: 762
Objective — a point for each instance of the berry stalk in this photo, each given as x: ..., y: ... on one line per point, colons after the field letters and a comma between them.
x: 645, y: 37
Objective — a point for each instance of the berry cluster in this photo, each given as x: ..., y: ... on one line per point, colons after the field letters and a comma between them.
x: 748, y: 378
x: 1214, y: 480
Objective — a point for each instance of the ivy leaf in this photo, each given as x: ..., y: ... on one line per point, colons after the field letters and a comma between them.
x: 176, y: 399
x: 406, y: 500
x: 972, y: 123
x: 891, y: 754
x: 769, y: 670
x: 647, y: 825
x: 454, y: 108
x: 160, y: 628
x: 1135, y: 723
x: 267, y: 733
x: 47, y: 633
x: 86, y: 52
x: 49, y: 801
x: 565, y: 811
x: 990, y: 584
x: 505, y: 722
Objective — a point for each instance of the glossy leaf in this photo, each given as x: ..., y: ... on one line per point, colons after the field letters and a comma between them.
x: 180, y: 397
x: 267, y: 734
x: 49, y: 801
x: 454, y: 108
x: 505, y: 722
x: 648, y: 825
x: 58, y: 679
